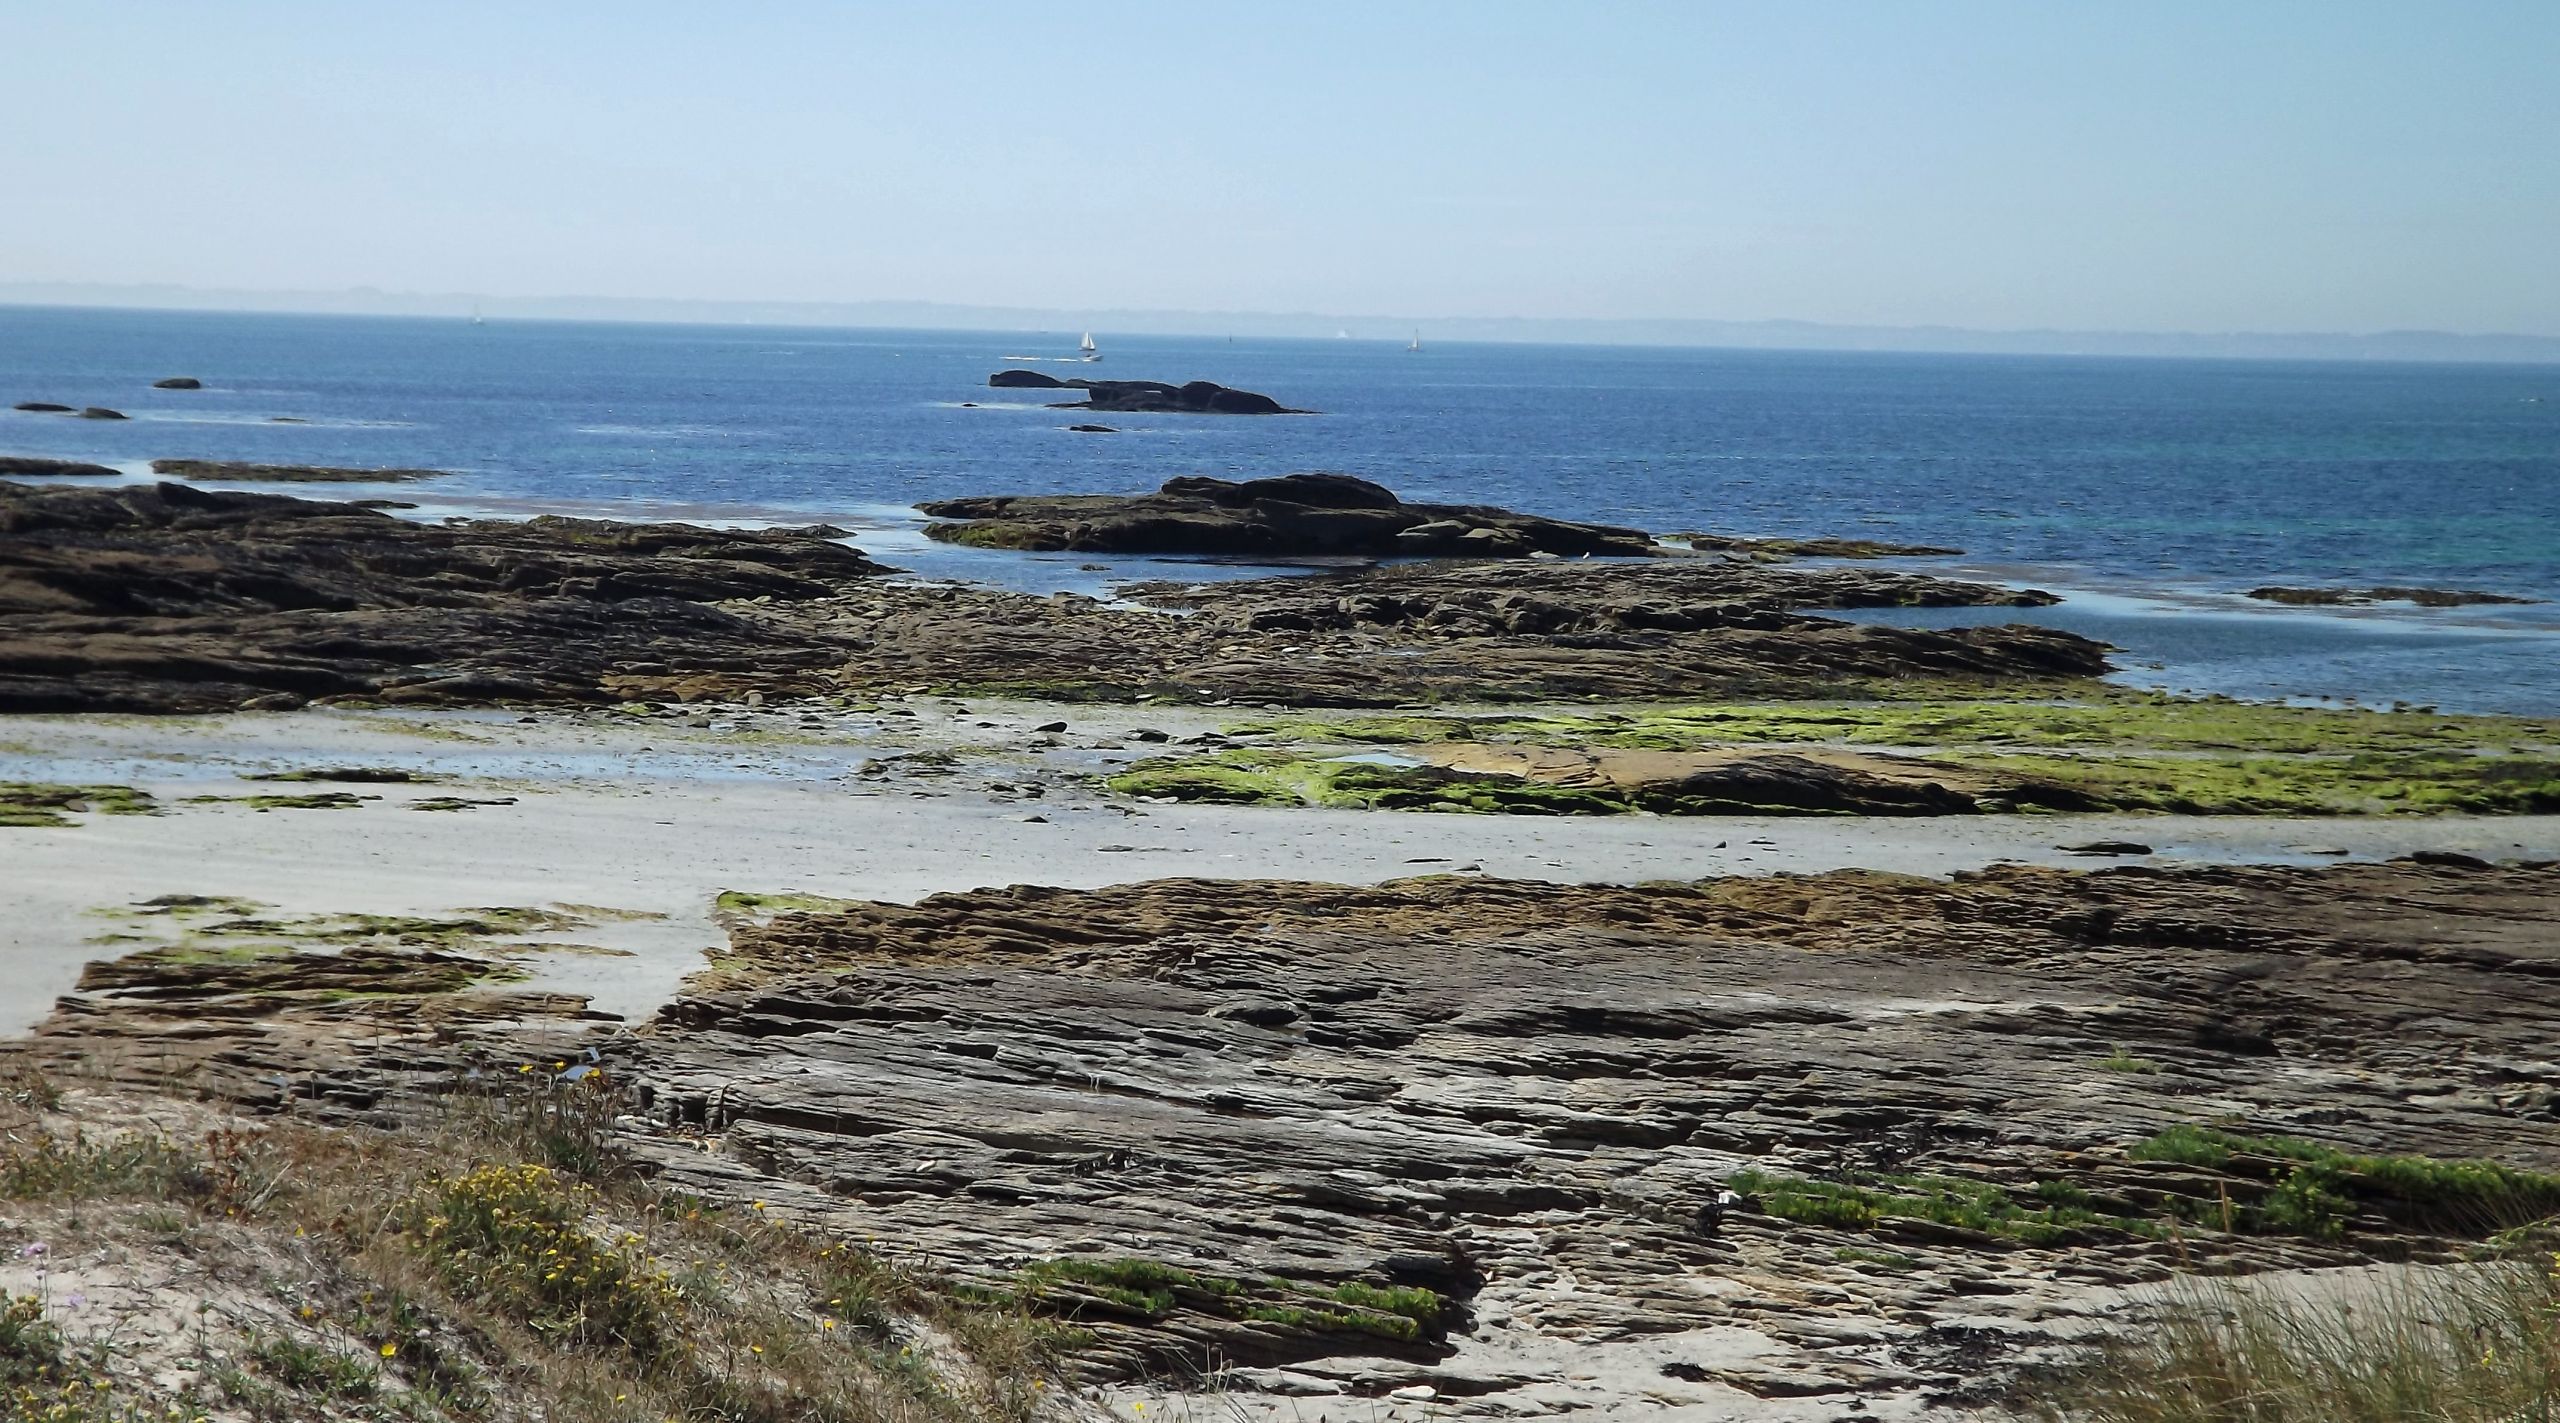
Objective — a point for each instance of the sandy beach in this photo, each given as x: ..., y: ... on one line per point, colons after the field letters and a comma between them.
x: 663, y: 814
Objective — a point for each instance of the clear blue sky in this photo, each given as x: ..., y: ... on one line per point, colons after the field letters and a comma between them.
x: 2151, y: 166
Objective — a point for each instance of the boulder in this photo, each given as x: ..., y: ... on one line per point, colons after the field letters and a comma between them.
x: 1025, y: 380
x: 178, y: 383
x: 100, y: 412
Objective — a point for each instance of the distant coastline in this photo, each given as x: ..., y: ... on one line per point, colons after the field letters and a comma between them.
x: 2502, y: 348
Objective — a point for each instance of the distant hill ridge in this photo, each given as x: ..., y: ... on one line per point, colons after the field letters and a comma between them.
x: 2497, y: 347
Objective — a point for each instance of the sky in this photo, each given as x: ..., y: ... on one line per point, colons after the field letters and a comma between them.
x: 2163, y: 166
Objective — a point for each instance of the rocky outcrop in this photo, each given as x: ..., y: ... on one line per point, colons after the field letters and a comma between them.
x: 100, y: 412
x: 32, y: 464
x: 2358, y: 597
x: 1502, y: 631
x: 42, y: 407
x: 248, y: 472
x: 1571, y: 1114
x: 177, y: 383
x: 1291, y: 516
x: 1147, y: 397
x: 1860, y: 1142
x: 168, y: 598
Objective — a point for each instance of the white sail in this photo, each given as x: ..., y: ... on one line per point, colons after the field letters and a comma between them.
x: 1417, y: 342
x: 1088, y: 347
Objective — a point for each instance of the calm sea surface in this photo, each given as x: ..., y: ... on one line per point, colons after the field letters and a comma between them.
x: 2150, y: 491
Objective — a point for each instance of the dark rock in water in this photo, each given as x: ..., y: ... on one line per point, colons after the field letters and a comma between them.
x: 1809, y: 548
x: 2106, y: 847
x: 1294, y: 515
x: 1147, y: 397
x: 2447, y: 860
x: 1092, y: 430
x: 178, y: 383
x: 380, y: 504
x: 42, y: 407
x: 245, y: 472
x: 100, y: 412
x: 286, y: 420
x: 2357, y: 597
x: 31, y: 464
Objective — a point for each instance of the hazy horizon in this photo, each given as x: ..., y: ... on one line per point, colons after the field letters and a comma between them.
x: 1984, y: 167
x: 2509, y: 348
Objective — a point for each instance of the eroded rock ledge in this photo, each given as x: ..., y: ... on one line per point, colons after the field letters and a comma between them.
x: 1526, y: 1098
x: 168, y: 598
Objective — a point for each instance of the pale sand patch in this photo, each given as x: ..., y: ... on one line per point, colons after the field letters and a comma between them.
x: 654, y: 815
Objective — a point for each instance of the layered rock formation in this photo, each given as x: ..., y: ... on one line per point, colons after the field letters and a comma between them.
x: 1291, y: 516
x: 167, y: 598
x: 1530, y: 1100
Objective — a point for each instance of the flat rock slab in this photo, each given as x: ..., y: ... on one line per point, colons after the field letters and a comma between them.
x: 1527, y: 1098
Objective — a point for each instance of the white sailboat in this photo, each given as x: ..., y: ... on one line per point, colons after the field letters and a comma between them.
x: 1417, y: 342
x: 1088, y: 351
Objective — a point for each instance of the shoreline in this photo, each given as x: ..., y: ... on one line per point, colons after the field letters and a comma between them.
x: 765, y: 810
x: 2183, y: 630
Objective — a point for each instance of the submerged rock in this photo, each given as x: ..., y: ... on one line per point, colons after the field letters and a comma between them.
x: 244, y: 472
x: 42, y: 407
x: 100, y: 412
x: 2357, y: 597
x: 34, y: 464
x: 178, y: 383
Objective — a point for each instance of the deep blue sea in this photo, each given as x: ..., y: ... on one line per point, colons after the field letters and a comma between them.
x: 2150, y: 491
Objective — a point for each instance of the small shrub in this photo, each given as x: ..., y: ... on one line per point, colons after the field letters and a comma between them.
x: 514, y: 1238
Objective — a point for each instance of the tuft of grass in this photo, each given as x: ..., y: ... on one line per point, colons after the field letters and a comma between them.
x: 308, y: 1367
x: 2121, y: 1061
x: 2475, y: 1345
x: 1867, y: 1201
x: 1153, y: 1289
x: 2315, y: 1188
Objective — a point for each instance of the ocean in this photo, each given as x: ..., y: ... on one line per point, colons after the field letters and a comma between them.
x: 2151, y: 493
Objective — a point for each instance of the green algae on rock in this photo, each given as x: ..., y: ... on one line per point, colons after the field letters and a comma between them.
x: 36, y: 804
